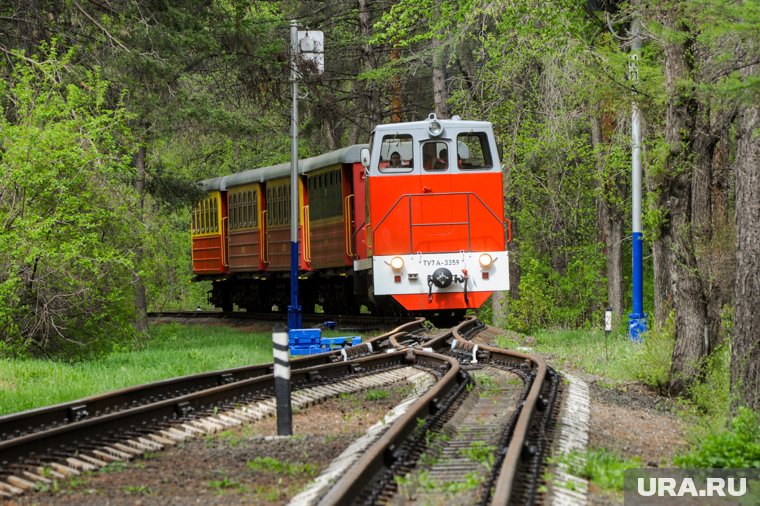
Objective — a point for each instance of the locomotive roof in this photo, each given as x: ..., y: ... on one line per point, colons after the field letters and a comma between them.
x: 350, y: 154
x: 455, y: 122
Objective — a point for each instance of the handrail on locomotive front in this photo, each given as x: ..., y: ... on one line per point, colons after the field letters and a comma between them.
x: 408, y: 197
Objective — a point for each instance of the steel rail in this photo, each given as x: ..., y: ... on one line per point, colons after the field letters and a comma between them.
x: 64, y: 439
x: 30, y: 421
x: 505, y: 481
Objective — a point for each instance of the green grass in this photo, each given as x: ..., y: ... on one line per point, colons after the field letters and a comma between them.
x: 615, y: 358
x: 272, y: 465
x: 376, y: 394
x: 600, y: 466
x: 172, y: 350
x: 585, y: 350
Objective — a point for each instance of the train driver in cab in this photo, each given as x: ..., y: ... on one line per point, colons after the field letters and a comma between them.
x: 395, y: 159
x: 430, y: 159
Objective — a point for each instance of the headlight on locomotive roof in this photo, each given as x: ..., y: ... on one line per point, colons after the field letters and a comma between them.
x: 435, y: 128
x: 485, y: 260
x: 397, y: 263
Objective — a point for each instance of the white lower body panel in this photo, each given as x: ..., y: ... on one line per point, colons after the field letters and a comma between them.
x: 412, y: 278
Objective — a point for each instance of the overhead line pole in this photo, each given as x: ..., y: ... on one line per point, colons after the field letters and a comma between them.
x: 637, y: 319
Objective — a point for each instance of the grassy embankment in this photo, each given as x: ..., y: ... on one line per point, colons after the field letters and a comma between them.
x: 172, y: 350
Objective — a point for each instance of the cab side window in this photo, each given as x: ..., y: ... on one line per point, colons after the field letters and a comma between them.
x: 473, y: 151
x: 396, y: 154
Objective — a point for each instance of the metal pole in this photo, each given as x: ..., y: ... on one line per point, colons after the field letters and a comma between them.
x: 294, y: 310
x: 637, y: 323
x: 282, y: 380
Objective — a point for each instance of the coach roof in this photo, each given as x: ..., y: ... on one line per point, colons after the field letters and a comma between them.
x: 350, y: 154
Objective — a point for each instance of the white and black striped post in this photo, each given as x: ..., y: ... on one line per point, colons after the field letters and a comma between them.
x: 282, y: 380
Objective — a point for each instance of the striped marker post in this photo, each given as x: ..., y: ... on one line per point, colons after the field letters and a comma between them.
x: 282, y: 380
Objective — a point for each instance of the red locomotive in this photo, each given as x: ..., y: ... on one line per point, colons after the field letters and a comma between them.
x: 413, y: 222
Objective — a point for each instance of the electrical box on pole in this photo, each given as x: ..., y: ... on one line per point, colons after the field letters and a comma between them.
x: 311, y: 46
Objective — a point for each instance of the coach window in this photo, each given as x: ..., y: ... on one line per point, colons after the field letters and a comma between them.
x: 254, y: 209
x: 473, y: 151
x: 280, y: 206
x: 232, y: 210
x: 245, y: 210
x: 270, y: 206
x: 325, y: 195
x: 214, y: 215
x: 204, y: 216
x: 401, y: 144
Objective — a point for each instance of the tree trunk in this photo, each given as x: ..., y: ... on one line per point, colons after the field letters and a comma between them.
x: 497, y: 307
x: 663, y: 298
x: 440, y: 89
x: 688, y: 301
x: 610, y: 227
x: 369, y: 62
x: 686, y: 282
x: 141, y: 300
x: 745, y: 356
x: 723, y: 244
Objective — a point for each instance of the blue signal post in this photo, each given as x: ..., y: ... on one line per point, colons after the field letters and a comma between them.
x: 637, y: 320
x: 294, y: 310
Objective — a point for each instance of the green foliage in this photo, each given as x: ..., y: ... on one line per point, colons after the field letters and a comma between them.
x: 553, y: 298
x: 602, y: 467
x: 65, y: 206
x: 736, y: 447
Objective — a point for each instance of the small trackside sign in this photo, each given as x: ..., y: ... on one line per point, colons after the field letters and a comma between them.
x: 691, y: 486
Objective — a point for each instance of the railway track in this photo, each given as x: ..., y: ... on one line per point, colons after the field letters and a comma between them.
x: 364, y: 321
x: 468, y: 428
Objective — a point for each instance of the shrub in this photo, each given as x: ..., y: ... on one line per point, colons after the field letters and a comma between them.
x: 66, y: 202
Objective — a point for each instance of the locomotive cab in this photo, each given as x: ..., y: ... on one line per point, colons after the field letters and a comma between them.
x: 435, y: 231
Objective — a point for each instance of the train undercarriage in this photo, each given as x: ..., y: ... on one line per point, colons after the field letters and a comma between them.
x: 332, y: 292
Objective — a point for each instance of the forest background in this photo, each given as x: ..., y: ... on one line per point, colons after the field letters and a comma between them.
x: 113, y: 110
